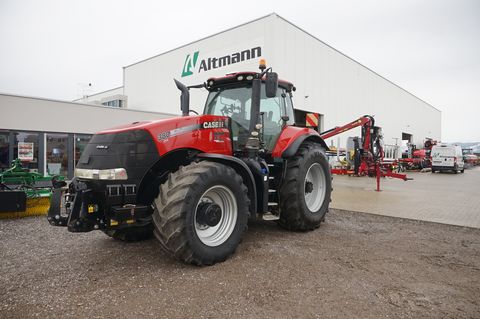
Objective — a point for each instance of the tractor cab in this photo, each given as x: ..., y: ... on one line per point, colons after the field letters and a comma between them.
x: 231, y: 96
x: 258, y: 105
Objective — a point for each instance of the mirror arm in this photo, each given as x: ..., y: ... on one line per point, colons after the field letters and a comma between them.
x: 265, y: 72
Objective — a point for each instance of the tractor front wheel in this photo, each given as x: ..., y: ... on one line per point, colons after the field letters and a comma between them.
x: 201, y: 213
x: 306, y: 189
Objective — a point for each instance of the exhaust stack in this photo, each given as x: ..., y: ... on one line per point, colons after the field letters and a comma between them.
x: 184, y: 97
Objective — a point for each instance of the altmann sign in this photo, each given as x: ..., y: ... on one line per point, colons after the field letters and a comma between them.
x: 194, y: 65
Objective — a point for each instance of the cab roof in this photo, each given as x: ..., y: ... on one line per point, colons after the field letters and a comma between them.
x: 242, y: 77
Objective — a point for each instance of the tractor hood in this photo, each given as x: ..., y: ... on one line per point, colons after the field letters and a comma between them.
x: 171, y: 124
x: 142, y: 143
x: 123, y: 155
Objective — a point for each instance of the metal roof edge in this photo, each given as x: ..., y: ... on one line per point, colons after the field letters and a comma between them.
x: 381, y: 76
x: 84, y: 104
x: 101, y: 92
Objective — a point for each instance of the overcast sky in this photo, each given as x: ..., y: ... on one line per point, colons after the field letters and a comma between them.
x: 430, y: 48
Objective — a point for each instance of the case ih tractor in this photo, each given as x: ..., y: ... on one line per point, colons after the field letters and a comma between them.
x: 195, y: 181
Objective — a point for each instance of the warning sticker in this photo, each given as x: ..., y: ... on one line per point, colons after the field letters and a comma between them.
x: 312, y: 119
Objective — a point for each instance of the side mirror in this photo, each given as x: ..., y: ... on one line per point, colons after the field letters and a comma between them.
x: 271, y: 84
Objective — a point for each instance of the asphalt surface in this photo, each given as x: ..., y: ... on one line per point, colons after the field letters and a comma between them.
x: 355, y: 266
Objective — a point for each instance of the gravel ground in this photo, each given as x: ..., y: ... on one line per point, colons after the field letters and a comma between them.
x: 355, y: 266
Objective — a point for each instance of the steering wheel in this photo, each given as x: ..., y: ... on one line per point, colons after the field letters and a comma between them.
x: 193, y: 111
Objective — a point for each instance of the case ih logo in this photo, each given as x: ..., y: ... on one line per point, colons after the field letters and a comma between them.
x: 193, y: 65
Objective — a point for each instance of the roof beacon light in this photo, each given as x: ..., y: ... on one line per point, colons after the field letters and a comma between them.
x: 262, y: 64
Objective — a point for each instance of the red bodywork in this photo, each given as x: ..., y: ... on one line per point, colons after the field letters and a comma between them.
x: 363, y: 121
x: 193, y: 132
x: 288, y: 136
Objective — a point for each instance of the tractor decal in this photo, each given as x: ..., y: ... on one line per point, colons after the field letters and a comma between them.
x: 189, y: 128
x: 181, y: 130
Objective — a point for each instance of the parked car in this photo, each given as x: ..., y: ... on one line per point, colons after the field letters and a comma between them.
x: 471, y: 160
x: 447, y: 157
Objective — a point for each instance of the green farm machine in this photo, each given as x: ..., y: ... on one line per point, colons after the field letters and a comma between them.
x: 24, y: 193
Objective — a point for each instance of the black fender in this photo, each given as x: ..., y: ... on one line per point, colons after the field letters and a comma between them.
x: 242, y: 169
x: 293, y: 148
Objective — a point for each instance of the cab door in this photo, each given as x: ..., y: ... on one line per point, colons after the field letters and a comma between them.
x: 271, y: 112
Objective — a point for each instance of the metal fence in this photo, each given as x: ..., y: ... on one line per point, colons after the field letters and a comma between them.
x: 391, y: 152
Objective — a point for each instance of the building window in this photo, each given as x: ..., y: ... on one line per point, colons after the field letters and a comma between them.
x: 26, y: 148
x: 114, y: 103
x: 57, y: 155
x: 81, y: 140
x: 4, y: 150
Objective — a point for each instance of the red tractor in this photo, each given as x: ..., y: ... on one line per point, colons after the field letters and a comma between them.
x: 195, y: 181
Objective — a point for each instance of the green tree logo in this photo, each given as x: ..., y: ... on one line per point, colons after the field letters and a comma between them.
x: 189, y: 65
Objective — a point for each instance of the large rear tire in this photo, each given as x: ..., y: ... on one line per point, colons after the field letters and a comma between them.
x: 201, y: 213
x: 306, y: 190
x: 131, y: 234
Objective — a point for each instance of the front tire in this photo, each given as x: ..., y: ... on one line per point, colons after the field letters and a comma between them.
x: 201, y: 213
x: 306, y: 190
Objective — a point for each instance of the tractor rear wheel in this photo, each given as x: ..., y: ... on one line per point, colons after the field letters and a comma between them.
x: 306, y: 189
x: 131, y: 234
x: 201, y: 213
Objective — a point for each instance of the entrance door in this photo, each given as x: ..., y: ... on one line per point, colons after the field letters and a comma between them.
x: 407, y: 137
x: 406, y: 145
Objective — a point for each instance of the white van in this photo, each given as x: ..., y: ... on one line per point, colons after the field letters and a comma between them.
x: 447, y: 157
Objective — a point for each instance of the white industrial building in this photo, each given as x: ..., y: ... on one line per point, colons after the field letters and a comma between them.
x: 327, y: 81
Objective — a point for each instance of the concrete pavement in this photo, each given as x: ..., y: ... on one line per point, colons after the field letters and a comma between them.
x: 443, y: 198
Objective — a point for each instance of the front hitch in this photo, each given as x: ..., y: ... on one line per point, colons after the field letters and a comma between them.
x: 78, y: 213
x: 54, y: 215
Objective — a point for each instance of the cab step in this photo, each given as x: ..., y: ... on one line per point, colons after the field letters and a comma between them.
x: 269, y: 216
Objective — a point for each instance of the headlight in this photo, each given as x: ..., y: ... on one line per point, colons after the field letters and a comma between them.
x: 102, y: 174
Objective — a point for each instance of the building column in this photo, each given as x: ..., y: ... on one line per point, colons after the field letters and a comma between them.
x: 42, y: 153
x: 70, y: 155
x: 11, y: 147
